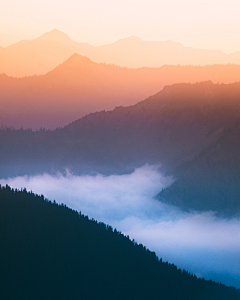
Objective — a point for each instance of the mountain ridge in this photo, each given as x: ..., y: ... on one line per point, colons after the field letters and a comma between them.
x: 171, y: 129
x: 30, y: 57
x: 166, y: 128
x: 55, y: 35
x: 210, y: 181
x: 80, y: 86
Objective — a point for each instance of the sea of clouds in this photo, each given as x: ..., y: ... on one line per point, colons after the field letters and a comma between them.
x: 199, y: 242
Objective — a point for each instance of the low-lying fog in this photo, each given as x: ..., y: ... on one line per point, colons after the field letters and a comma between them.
x: 197, y: 242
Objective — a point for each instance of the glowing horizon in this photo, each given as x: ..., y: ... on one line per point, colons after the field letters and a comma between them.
x: 202, y: 24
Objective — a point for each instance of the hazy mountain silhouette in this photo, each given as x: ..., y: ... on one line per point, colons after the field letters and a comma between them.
x: 49, y: 251
x: 211, y: 180
x: 134, y: 52
x: 79, y: 86
x: 44, y: 53
x: 168, y: 128
x: 40, y: 55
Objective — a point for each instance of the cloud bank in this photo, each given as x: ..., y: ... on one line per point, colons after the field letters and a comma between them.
x: 198, y: 242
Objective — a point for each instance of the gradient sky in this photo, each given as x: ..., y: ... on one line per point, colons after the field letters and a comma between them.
x: 210, y: 24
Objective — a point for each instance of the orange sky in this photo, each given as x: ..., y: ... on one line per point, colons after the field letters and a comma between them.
x: 210, y: 24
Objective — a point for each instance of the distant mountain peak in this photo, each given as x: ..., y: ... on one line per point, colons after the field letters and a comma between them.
x: 78, y: 58
x: 76, y: 61
x: 131, y: 38
x: 55, y: 35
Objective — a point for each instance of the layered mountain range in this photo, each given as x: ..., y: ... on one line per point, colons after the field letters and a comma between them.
x: 170, y: 128
x: 46, y: 52
x: 80, y: 86
x: 73, y: 108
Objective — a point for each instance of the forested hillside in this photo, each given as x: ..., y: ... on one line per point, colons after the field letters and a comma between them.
x: 49, y: 251
x: 168, y: 128
x: 210, y: 181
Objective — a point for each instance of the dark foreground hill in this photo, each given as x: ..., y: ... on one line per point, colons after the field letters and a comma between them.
x: 210, y: 181
x: 51, y: 252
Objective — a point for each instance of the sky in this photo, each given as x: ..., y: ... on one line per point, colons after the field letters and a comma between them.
x: 198, y: 242
x: 209, y: 24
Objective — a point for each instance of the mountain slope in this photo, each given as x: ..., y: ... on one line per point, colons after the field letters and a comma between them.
x: 134, y: 52
x: 49, y: 251
x: 168, y: 128
x: 39, y: 56
x: 211, y: 180
x: 79, y: 86
x: 44, y: 53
